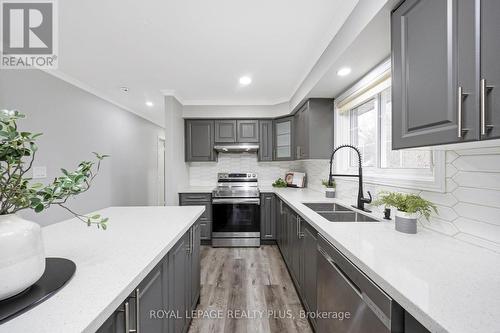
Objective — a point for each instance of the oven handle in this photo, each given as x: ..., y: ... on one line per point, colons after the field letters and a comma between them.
x: 250, y: 201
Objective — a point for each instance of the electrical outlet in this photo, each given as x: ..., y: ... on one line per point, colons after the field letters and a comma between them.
x: 39, y: 172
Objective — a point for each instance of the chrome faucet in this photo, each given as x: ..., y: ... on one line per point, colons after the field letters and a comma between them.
x: 361, y: 199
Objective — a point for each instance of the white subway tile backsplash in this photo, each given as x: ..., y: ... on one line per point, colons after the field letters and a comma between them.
x: 477, y: 163
x: 480, y: 213
x: 469, y: 210
x: 478, y: 196
x: 484, y: 230
x: 486, y: 180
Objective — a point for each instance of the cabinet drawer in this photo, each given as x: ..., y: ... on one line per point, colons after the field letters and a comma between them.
x: 194, y: 197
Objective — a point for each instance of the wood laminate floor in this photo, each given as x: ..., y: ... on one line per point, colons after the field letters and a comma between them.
x: 247, y: 290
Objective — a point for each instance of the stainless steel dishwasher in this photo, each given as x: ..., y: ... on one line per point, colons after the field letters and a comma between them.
x: 348, y: 301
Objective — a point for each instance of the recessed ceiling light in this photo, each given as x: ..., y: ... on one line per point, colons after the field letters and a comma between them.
x: 149, y: 103
x: 245, y: 80
x: 344, y: 71
x: 124, y: 89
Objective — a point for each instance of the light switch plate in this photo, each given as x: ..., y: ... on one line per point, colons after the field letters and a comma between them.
x: 39, y: 172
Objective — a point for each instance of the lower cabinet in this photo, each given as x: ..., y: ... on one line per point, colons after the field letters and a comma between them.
x: 267, y: 216
x: 309, y: 268
x: 161, y: 302
x: 200, y: 199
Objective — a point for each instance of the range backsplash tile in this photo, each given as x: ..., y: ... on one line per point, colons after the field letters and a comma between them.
x: 469, y: 210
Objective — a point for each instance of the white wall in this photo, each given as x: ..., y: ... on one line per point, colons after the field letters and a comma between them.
x: 176, y: 170
x: 75, y: 123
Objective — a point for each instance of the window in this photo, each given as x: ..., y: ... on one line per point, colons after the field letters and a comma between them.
x: 364, y: 119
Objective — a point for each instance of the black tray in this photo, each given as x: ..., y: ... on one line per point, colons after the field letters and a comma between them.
x: 58, y: 271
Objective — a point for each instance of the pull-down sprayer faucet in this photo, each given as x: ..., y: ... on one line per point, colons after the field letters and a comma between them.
x: 361, y: 199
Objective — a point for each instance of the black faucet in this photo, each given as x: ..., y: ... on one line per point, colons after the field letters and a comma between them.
x: 361, y: 199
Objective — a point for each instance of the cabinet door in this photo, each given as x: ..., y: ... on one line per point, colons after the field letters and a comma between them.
x: 115, y: 323
x: 283, y: 139
x: 267, y: 215
x: 206, y: 230
x: 309, y: 267
x: 225, y: 131
x: 430, y: 62
x: 199, y: 140
x: 301, y: 133
x: 490, y: 69
x: 150, y: 298
x: 248, y: 131
x: 266, y: 140
x: 178, y: 283
x: 195, y: 265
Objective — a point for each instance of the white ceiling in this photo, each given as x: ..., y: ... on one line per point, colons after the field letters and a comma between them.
x: 196, y: 49
x: 370, y: 48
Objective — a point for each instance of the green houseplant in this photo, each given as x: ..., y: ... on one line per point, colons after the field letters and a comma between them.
x: 330, y: 188
x: 22, y: 259
x: 409, y: 208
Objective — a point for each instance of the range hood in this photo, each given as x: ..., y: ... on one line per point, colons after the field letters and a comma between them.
x: 237, y: 148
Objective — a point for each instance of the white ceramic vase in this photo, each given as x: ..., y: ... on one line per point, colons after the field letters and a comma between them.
x: 330, y: 192
x: 22, y: 257
x: 406, y: 222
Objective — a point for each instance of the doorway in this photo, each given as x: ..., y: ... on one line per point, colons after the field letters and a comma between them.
x: 161, y: 171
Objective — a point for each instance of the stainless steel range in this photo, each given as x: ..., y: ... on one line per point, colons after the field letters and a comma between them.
x: 236, y: 211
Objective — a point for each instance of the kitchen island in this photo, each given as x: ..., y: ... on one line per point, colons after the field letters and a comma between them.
x: 110, y: 265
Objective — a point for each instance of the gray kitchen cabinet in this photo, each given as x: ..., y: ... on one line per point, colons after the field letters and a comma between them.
x: 151, y: 296
x: 225, y: 131
x: 199, y: 145
x: 178, y: 283
x: 490, y: 70
x: 195, y: 266
x: 283, y: 139
x: 434, y: 77
x: 267, y: 216
x: 247, y: 131
x: 200, y: 199
x: 266, y: 140
x: 314, y: 130
x: 173, y: 285
x: 309, y: 269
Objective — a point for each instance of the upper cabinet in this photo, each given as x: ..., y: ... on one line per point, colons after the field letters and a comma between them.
x: 232, y: 131
x: 490, y: 69
x: 199, y: 140
x: 266, y: 140
x: 283, y: 139
x: 444, y: 71
x: 248, y: 131
x: 314, y: 129
x: 225, y: 131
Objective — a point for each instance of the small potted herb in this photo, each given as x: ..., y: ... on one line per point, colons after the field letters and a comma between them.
x: 409, y: 208
x: 279, y: 183
x: 329, y: 188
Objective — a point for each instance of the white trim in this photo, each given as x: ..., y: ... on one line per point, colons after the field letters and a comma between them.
x: 159, y: 187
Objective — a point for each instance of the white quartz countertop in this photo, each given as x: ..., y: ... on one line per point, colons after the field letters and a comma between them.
x: 446, y: 284
x: 109, y: 265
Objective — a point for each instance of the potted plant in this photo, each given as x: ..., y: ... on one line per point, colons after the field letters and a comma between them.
x: 329, y: 188
x: 409, y: 208
x: 22, y: 259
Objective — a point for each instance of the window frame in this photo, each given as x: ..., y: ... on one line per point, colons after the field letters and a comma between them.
x: 432, y: 179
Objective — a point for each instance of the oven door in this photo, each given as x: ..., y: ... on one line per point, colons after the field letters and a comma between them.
x: 236, y: 217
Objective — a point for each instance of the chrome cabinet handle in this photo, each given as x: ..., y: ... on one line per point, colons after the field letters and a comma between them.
x: 300, y: 235
x: 460, y: 128
x: 137, y: 311
x: 126, y: 317
x: 483, y: 87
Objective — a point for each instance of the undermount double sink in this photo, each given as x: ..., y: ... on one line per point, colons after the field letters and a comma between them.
x: 336, y: 213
